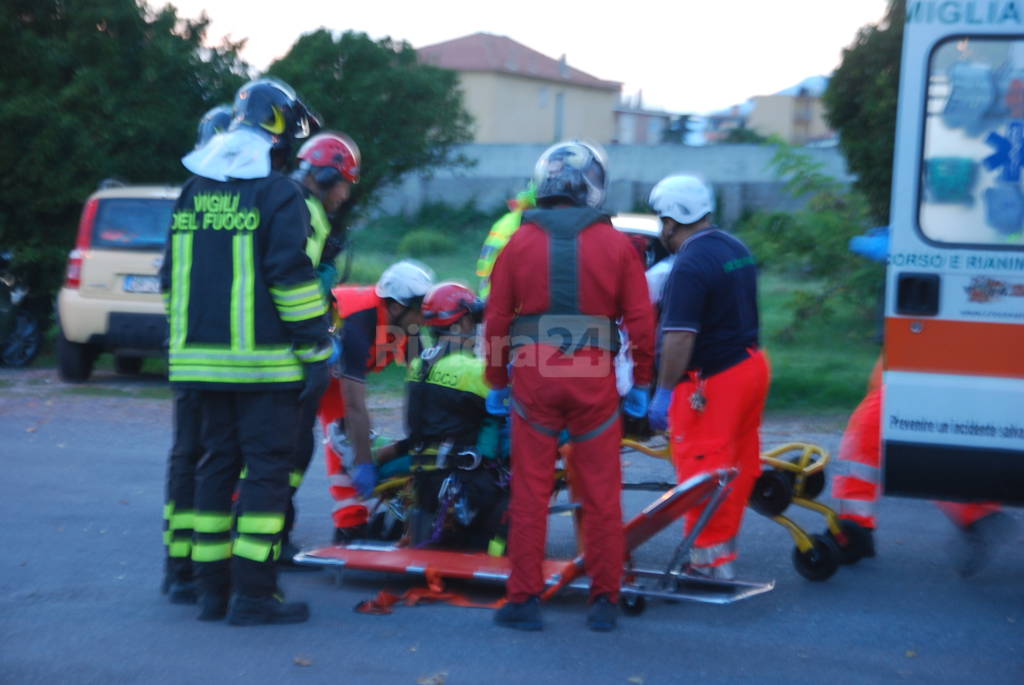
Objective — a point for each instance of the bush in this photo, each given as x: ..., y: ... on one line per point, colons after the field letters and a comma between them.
x: 810, y: 247
x: 424, y: 242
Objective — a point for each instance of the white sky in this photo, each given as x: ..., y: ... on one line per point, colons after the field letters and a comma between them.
x: 685, y: 55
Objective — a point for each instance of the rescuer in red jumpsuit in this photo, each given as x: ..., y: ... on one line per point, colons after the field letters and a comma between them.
x: 557, y: 290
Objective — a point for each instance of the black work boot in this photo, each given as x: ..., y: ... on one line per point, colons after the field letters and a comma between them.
x: 980, y: 542
x: 603, y: 614
x: 183, y: 592
x: 257, y: 611
x: 520, y: 615
x: 213, y: 606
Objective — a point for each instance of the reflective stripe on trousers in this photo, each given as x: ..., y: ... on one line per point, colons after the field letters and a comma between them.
x: 714, y: 555
x: 348, y: 509
x: 857, y: 483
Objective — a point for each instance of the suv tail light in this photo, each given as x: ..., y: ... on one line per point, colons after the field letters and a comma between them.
x: 73, y: 276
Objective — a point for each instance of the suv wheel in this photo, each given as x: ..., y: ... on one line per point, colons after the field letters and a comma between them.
x: 74, y: 360
x: 129, y: 366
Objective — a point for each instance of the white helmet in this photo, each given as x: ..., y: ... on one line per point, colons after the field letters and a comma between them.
x: 687, y: 199
x: 405, y: 282
x: 572, y: 171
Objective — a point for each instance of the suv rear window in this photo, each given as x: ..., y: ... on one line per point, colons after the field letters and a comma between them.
x: 132, y: 223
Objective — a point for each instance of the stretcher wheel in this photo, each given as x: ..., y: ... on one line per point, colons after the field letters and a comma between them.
x: 814, y: 484
x: 772, y: 493
x: 632, y: 605
x: 858, y: 542
x: 820, y: 561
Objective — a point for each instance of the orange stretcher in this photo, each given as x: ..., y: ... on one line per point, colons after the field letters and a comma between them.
x: 673, y: 582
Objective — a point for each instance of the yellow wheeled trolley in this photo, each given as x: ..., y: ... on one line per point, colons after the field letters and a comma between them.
x: 794, y: 473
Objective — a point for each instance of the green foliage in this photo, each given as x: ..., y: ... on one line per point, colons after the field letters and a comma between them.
x: 809, y: 247
x: 423, y: 242
x: 743, y: 135
x: 405, y: 116
x: 860, y: 103
x: 677, y: 130
x: 93, y: 90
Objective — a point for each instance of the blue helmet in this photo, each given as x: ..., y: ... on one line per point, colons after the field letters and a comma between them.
x: 213, y: 122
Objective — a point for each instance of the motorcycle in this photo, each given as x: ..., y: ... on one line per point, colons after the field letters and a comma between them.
x: 20, y: 333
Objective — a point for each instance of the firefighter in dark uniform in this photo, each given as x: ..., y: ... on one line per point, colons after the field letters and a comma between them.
x: 457, y: 470
x: 248, y: 331
x: 558, y: 289
x: 329, y: 165
x: 186, y: 450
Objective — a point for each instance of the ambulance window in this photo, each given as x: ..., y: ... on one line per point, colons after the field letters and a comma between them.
x: 973, y: 164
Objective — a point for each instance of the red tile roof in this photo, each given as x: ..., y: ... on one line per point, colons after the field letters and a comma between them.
x: 488, y: 52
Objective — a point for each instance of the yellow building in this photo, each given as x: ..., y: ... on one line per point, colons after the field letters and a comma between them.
x: 518, y: 95
x: 798, y: 119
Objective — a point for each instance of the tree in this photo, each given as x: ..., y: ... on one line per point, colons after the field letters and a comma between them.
x: 92, y: 90
x: 811, y: 245
x: 677, y: 130
x: 860, y: 104
x: 743, y: 135
x: 405, y: 116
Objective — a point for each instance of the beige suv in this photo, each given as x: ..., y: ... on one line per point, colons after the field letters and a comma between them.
x: 110, y: 301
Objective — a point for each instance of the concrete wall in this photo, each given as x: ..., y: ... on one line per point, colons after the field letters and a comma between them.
x: 510, y: 109
x: 740, y: 175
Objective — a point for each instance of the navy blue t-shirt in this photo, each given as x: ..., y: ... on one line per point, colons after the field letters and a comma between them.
x: 712, y: 291
x: 357, y: 337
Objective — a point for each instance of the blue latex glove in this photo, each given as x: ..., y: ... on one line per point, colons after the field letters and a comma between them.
x: 657, y: 414
x: 365, y: 479
x: 335, y: 357
x: 636, y: 401
x: 497, y: 402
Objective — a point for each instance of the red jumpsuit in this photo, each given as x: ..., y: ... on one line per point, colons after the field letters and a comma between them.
x: 568, y: 385
x: 382, y: 345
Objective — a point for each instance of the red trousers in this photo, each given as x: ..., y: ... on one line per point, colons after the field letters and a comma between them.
x: 545, y: 403
x: 860, y: 458
x: 724, y: 434
x: 348, y: 508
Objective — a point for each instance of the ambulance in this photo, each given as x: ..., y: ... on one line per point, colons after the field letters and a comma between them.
x: 953, y: 418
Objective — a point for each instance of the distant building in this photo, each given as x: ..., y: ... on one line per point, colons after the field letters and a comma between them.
x: 635, y: 125
x: 518, y: 95
x: 718, y: 125
x: 799, y: 119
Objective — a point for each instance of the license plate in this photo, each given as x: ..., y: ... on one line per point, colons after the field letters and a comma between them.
x: 141, y: 284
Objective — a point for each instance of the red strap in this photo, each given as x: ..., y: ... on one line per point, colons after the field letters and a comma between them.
x: 433, y: 592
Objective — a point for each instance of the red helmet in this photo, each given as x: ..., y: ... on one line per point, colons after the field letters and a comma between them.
x: 331, y: 157
x: 448, y: 302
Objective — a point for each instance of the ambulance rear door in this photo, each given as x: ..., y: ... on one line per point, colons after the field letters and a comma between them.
x: 953, y: 418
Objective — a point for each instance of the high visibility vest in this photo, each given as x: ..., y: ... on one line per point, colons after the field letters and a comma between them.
x: 501, y: 232
x: 388, y: 345
x: 321, y: 230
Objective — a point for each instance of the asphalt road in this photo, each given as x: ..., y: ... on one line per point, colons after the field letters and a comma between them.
x: 80, y: 505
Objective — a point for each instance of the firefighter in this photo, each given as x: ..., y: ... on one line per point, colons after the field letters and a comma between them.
x: 712, y: 378
x: 557, y: 289
x: 452, y: 447
x: 248, y: 332
x: 185, y: 449
x: 329, y: 165
x: 377, y: 325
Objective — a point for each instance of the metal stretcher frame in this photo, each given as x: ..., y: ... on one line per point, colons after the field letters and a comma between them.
x: 673, y: 582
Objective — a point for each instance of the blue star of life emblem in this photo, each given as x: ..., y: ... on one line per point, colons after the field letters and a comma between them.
x: 1009, y: 152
